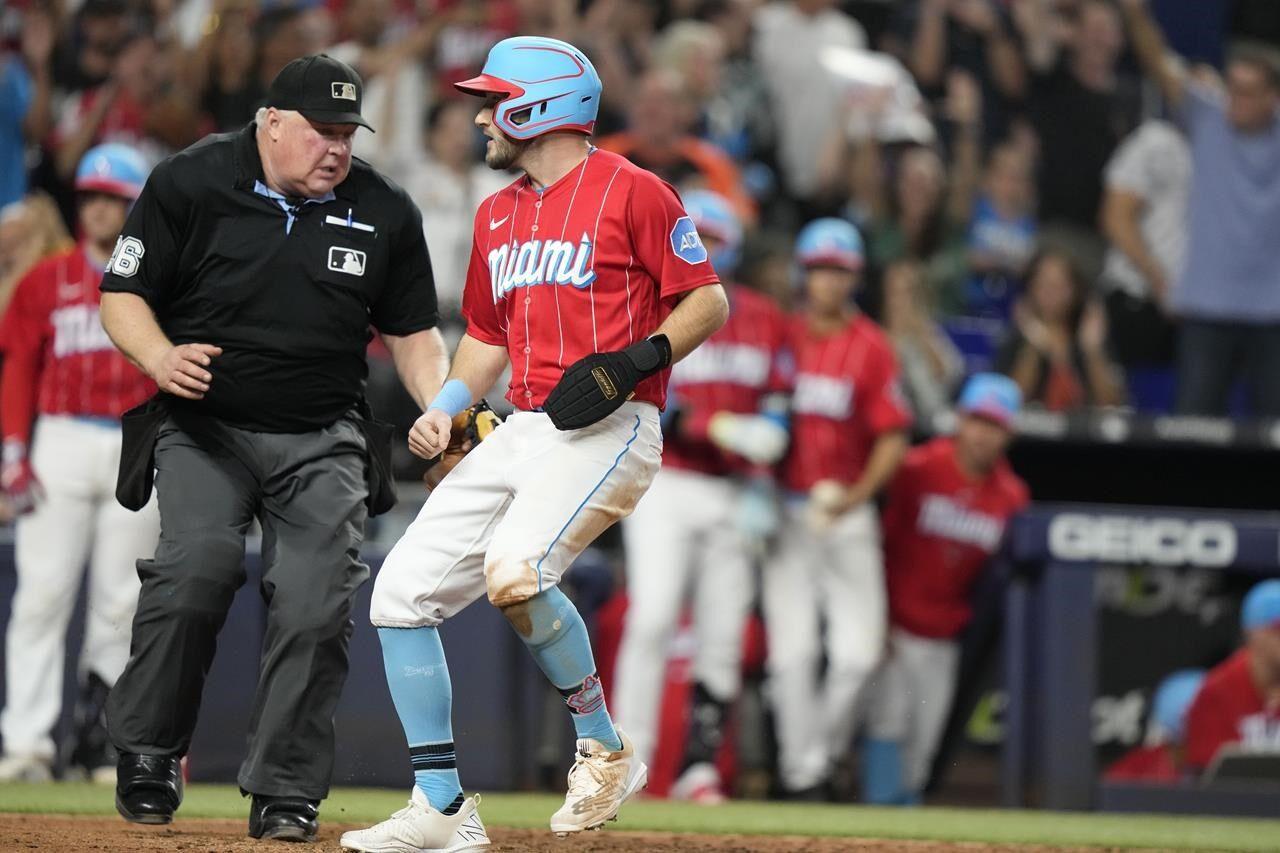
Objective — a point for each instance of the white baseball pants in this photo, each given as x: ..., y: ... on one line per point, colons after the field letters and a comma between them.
x: 833, y: 579
x: 75, y: 461
x: 681, y: 538
x: 516, y: 513
x: 910, y: 697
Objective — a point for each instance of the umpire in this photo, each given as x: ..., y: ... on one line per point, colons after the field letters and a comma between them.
x: 244, y: 283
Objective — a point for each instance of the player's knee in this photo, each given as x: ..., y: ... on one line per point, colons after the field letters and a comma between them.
x: 511, y: 580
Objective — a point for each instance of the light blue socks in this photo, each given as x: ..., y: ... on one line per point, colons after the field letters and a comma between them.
x: 419, y: 680
x: 558, y: 640
x: 882, y: 782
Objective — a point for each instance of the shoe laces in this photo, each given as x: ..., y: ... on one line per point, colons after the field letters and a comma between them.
x: 589, y: 772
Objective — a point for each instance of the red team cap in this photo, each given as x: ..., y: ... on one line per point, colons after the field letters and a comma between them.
x: 991, y: 396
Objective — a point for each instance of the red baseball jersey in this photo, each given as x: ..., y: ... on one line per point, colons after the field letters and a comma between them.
x: 55, y: 346
x: 592, y: 263
x: 845, y: 396
x: 1146, y: 764
x: 940, y: 528
x: 1229, y: 709
x: 732, y: 371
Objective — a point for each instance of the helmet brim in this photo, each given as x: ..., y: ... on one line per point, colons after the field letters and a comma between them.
x: 486, y: 84
x: 106, y: 186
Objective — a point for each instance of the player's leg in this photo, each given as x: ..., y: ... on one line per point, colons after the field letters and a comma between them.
x: 435, y: 570
x: 930, y: 669
x: 723, y: 591
x: 51, y: 544
x: 659, y: 539
x: 789, y: 596
x: 568, y: 489
x: 890, y: 713
x: 120, y: 538
x: 854, y: 604
x: 187, y: 589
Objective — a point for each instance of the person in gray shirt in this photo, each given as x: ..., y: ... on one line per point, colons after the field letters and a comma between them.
x: 1228, y: 294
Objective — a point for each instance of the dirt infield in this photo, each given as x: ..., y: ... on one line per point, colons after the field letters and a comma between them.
x: 43, y: 832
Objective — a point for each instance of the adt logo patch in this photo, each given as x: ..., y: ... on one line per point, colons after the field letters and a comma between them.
x: 349, y: 261
x: 686, y: 243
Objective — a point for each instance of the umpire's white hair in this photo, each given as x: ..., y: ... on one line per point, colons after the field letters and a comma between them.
x: 260, y: 117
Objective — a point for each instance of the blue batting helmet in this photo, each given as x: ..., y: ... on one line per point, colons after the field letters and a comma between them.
x: 992, y: 396
x: 1172, y: 700
x: 713, y: 216
x: 1261, y: 608
x: 549, y: 79
x: 829, y: 242
x: 113, y: 169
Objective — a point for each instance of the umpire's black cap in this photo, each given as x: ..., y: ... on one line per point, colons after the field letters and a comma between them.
x: 321, y: 88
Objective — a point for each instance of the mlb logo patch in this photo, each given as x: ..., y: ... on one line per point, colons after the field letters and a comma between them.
x: 686, y: 243
x: 349, y: 261
x: 344, y: 91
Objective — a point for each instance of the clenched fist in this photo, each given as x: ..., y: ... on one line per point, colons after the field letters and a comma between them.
x: 430, y: 434
x: 181, y: 370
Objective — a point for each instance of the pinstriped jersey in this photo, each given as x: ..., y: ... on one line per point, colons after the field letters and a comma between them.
x: 52, y: 327
x: 846, y: 394
x: 592, y: 263
x: 732, y: 371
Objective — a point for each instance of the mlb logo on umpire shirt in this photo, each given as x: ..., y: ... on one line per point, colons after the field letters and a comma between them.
x: 344, y: 91
x: 349, y: 261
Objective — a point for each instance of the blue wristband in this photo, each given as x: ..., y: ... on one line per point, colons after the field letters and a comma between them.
x: 453, y: 397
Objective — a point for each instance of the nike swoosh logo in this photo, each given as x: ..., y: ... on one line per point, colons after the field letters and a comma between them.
x: 494, y: 223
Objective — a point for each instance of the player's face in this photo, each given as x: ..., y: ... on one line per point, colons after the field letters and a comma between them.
x: 981, y: 443
x: 312, y: 157
x: 829, y: 289
x: 501, y: 151
x: 1251, y: 99
x: 1264, y: 644
x: 101, y: 217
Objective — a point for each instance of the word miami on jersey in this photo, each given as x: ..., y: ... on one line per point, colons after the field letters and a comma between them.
x: 539, y: 262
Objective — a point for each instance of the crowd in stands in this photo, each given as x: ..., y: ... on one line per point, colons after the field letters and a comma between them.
x: 1020, y: 169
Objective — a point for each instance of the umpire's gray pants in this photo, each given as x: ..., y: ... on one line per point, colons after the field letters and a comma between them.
x: 308, y: 491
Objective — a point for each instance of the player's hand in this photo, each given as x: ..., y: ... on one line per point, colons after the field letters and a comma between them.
x: 596, y: 386
x: 181, y: 371
x: 430, y: 434
x: 21, y: 487
x: 756, y: 438
x: 830, y: 499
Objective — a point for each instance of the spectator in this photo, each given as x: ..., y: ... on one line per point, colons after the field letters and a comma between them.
x: 221, y: 68
x: 934, y: 36
x: 658, y: 140
x: 1075, y: 105
x: 286, y: 32
x: 1239, y: 703
x: 929, y: 362
x: 919, y: 214
x: 1144, y: 220
x: 25, y: 95
x: 1056, y: 351
x: 1163, y: 757
x: 1002, y: 234
x: 30, y: 230
x: 790, y: 38
x: 1228, y: 294
x: 738, y: 118
x: 448, y: 182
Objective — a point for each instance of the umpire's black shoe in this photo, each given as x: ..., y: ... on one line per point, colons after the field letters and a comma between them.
x: 284, y: 818
x: 148, y: 787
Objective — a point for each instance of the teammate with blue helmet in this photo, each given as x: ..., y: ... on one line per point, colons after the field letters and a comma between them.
x: 718, y: 226
x: 541, y: 85
x: 112, y: 169
x: 830, y: 242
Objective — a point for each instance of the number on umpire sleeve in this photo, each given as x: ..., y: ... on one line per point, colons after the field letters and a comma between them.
x: 126, y: 257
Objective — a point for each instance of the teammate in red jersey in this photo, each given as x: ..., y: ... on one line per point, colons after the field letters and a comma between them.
x: 1162, y: 758
x: 62, y: 393
x: 849, y: 433
x: 1239, y: 703
x: 707, y: 510
x: 945, y: 516
x: 590, y: 280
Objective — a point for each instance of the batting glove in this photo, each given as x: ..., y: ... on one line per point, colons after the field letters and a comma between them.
x: 756, y: 438
x: 18, y: 478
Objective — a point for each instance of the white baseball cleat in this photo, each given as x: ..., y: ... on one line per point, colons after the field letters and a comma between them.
x: 418, y: 828
x: 25, y: 768
x: 600, y: 781
x: 700, y: 784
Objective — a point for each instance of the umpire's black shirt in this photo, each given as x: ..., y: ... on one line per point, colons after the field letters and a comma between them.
x: 287, y: 289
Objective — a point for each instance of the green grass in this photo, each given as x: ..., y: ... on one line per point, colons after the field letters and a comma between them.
x: 363, y: 805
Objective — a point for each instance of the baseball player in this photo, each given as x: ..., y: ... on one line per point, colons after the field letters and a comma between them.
x: 849, y: 432
x: 1162, y: 758
x: 62, y: 393
x: 725, y: 424
x: 1239, y: 703
x: 590, y: 278
x: 945, y: 516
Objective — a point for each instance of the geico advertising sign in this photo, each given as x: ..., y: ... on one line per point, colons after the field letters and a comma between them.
x: 1134, y: 539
